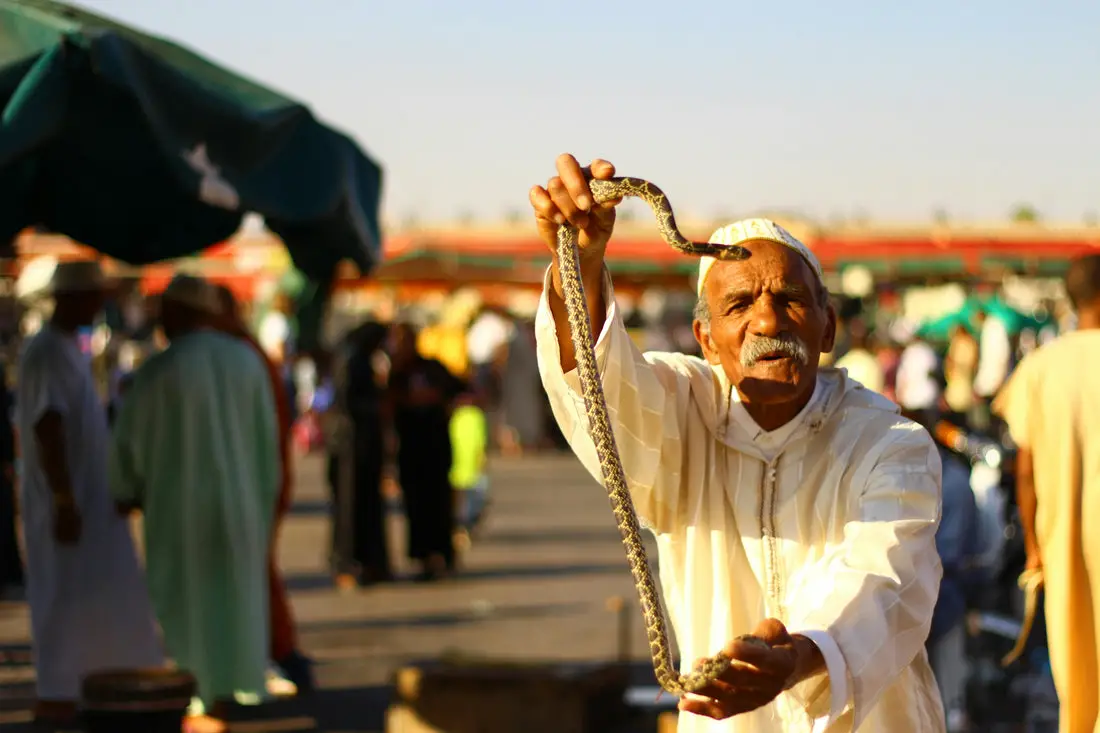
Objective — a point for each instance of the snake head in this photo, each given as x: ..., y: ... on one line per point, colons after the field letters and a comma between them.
x: 754, y: 640
x: 608, y: 189
x: 730, y: 252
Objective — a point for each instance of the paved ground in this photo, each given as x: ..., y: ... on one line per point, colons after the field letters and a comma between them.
x: 536, y: 586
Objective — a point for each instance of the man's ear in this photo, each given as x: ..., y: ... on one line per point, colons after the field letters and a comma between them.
x: 702, y: 335
x: 828, y: 337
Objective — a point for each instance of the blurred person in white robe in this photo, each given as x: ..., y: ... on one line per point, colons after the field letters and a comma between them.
x: 918, y: 384
x: 787, y: 501
x: 860, y: 363
x: 995, y: 356
x: 90, y: 609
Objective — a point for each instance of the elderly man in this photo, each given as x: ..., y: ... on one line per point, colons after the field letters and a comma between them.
x: 787, y: 502
x: 195, y: 446
x: 88, y: 602
x: 1051, y: 405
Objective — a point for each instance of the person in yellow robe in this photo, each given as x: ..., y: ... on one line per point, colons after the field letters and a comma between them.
x: 788, y: 501
x: 1051, y: 404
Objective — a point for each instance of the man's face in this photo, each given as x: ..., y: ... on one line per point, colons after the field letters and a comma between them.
x: 768, y: 327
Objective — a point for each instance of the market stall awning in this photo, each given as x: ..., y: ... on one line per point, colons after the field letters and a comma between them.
x: 518, y: 252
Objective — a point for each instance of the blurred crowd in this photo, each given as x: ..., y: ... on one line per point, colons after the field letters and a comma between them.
x: 190, y: 410
x: 208, y: 401
x: 947, y: 380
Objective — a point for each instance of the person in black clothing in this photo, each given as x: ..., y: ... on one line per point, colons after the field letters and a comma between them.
x: 11, y: 565
x: 422, y: 392
x: 359, y: 552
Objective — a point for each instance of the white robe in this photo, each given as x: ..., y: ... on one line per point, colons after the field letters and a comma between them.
x: 88, y: 602
x: 827, y: 524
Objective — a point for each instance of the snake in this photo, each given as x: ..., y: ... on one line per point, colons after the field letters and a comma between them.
x: 600, y: 431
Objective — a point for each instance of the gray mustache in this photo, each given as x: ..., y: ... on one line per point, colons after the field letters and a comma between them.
x: 790, y: 346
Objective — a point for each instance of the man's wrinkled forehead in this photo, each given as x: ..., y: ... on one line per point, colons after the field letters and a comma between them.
x: 737, y: 287
x: 736, y: 279
x: 769, y: 267
x: 748, y: 231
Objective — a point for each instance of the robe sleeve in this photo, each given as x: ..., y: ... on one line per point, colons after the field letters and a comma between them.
x: 870, y: 608
x: 43, y: 379
x: 646, y: 398
x: 124, y: 471
x: 1015, y: 401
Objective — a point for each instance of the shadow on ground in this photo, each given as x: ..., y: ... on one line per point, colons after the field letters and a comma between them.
x: 348, y: 710
x: 299, y: 582
x: 323, y: 508
x: 311, y: 508
x: 446, y: 619
x: 15, y: 654
x: 341, y: 710
x: 351, y: 710
x: 563, y: 535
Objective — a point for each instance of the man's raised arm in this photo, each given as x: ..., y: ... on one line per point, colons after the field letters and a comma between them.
x: 567, y: 198
x: 647, y: 395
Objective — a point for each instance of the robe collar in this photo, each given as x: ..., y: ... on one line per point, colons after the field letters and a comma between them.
x: 732, y: 426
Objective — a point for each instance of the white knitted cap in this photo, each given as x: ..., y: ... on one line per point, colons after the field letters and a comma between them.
x: 746, y: 230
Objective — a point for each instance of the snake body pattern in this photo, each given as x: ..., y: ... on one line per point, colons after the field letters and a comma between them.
x: 599, y: 422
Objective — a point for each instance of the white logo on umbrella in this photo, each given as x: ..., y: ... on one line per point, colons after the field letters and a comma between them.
x: 213, y: 189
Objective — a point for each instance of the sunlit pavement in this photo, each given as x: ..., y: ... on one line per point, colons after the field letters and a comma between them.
x: 537, y: 584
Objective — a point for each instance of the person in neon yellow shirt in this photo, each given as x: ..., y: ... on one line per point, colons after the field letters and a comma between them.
x: 469, y: 447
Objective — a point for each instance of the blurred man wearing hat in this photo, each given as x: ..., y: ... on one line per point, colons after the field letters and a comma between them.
x: 788, y: 501
x: 195, y: 446
x: 89, y: 605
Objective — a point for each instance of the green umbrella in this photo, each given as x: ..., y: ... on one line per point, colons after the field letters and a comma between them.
x: 941, y: 328
x: 145, y: 151
x: 1013, y: 320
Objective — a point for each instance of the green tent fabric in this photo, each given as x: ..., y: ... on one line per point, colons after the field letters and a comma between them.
x: 941, y: 328
x: 145, y: 151
x: 292, y: 283
x: 1014, y: 320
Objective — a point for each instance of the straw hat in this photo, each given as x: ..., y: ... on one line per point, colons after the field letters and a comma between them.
x: 47, y: 276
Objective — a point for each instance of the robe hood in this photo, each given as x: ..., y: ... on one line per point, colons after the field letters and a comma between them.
x: 713, y: 396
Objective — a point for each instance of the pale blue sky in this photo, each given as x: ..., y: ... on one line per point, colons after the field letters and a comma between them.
x: 884, y: 108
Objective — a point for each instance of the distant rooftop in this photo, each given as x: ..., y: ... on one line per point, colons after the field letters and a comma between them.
x: 641, y: 226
